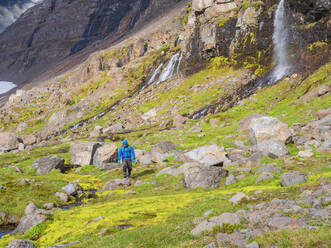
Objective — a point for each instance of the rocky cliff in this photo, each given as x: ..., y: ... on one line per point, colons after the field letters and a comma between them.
x: 56, y: 29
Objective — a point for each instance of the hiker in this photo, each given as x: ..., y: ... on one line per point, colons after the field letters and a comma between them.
x: 126, y: 153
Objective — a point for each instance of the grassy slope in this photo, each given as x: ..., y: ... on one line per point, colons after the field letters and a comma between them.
x: 159, y: 213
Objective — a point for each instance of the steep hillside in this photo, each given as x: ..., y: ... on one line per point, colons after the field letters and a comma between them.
x: 227, y: 104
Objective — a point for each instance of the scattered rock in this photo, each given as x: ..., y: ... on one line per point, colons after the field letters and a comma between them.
x: 106, y: 153
x: 72, y: 189
x: 49, y: 206
x: 63, y: 196
x: 239, y: 198
x: 208, y: 155
x: 284, y: 222
x: 211, y: 245
x: 158, y: 157
x: 29, y: 139
x: 207, y: 213
x: 268, y: 168
x: 253, y: 245
x: 20, y: 243
x: 28, y: 222
x: 46, y: 165
x: 273, y: 148
x: 265, y: 176
x: 179, y: 120
x: 203, y: 176
x: 306, y: 154
x: 8, y: 141
x: 146, y: 159
x: 97, y: 132
x: 25, y: 181
x: 94, y: 220
x: 291, y: 178
x: 116, y: 183
x: 176, y: 171
x: 82, y: 152
x: 164, y: 147
x: 231, y: 179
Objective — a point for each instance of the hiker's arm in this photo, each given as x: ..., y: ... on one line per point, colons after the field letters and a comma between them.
x: 133, y: 155
x: 119, y: 155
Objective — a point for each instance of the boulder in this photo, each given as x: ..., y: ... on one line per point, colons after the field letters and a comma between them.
x: 179, y: 120
x: 265, y: 176
x: 211, y: 245
x: 253, y: 245
x: 268, y: 128
x: 28, y: 222
x: 63, y: 196
x: 107, y: 153
x: 230, y: 180
x: 20, y: 243
x: 238, y: 198
x: 145, y: 159
x: 8, y: 141
x: 57, y: 121
x: 29, y: 139
x: 273, y: 148
x: 115, y: 128
x: 82, y: 152
x: 291, y: 178
x: 200, y: 5
x: 163, y: 146
x: 116, y: 183
x: 72, y: 189
x: 158, y: 157
x: 268, y: 168
x: 109, y: 166
x: 306, y: 154
x: 46, y: 165
x: 208, y: 155
x: 97, y: 132
x: 176, y: 171
x: 244, y: 124
x: 277, y: 222
x: 203, y: 176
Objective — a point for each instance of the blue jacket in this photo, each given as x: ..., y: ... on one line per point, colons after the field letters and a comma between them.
x: 126, y: 152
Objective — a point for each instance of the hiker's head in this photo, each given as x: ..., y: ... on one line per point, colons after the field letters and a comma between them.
x: 125, y: 143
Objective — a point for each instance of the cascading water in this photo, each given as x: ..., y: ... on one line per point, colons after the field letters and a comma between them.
x: 170, y: 69
x: 280, y: 39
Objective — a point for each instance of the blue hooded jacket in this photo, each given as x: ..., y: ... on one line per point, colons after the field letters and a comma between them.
x: 126, y: 152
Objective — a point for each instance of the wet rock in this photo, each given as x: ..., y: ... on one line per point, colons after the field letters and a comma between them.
x: 46, y: 165
x: 20, y: 243
x: 8, y: 141
x: 106, y: 153
x: 231, y: 179
x: 72, y: 189
x: 203, y: 176
x: 63, y: 196
x: 208, y: 155
x: 238, y: 198
x: 291, y: 178
x: 82, y: 152
x: 163, y: 147
x: 265, y: 176
x: 28, y: 222
x: 116, y: 183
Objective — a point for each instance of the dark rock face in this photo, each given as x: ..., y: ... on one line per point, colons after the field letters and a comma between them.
x: 56, y: 29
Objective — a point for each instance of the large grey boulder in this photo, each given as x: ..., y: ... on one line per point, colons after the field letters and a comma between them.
x: 82, y: 152
x: 163, y: 146
x: 116, y: 183
x: 20, y: 243
x: 145, y: 159
x: 158, y: 157
x: 277, y: 222
x: 291, y: 178
x: 28, y: 222
x: 63, y: 196
x: 268, y: 168
x: 46, y: 165
x: 265, y: 176
x: 273, y: 148
x: 29, y: 139
x: 107, y: 153
x: 200, y: 5
x: 203, y: 176
x: 270, y: 135
x: 268, y: 128
x: 208, y: 155
x: 239, y: 198
x: 8, y: 141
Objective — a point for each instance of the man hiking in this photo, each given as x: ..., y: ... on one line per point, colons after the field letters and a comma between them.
x: 126, y: 153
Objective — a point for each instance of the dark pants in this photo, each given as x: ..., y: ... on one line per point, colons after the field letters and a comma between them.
x: 127, y: 167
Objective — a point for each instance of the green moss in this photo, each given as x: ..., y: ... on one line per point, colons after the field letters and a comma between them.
x: 221, y: 20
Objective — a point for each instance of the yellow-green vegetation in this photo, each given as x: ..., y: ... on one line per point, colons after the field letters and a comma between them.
x: 221, y: 20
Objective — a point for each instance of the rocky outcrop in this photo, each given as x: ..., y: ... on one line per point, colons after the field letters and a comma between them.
x: 46, y: 165
x: 291, y: 178
x: 203, y: 176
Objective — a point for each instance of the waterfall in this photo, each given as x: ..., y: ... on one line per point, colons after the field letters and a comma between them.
x: 170, y: 69
x: 280, y: 38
